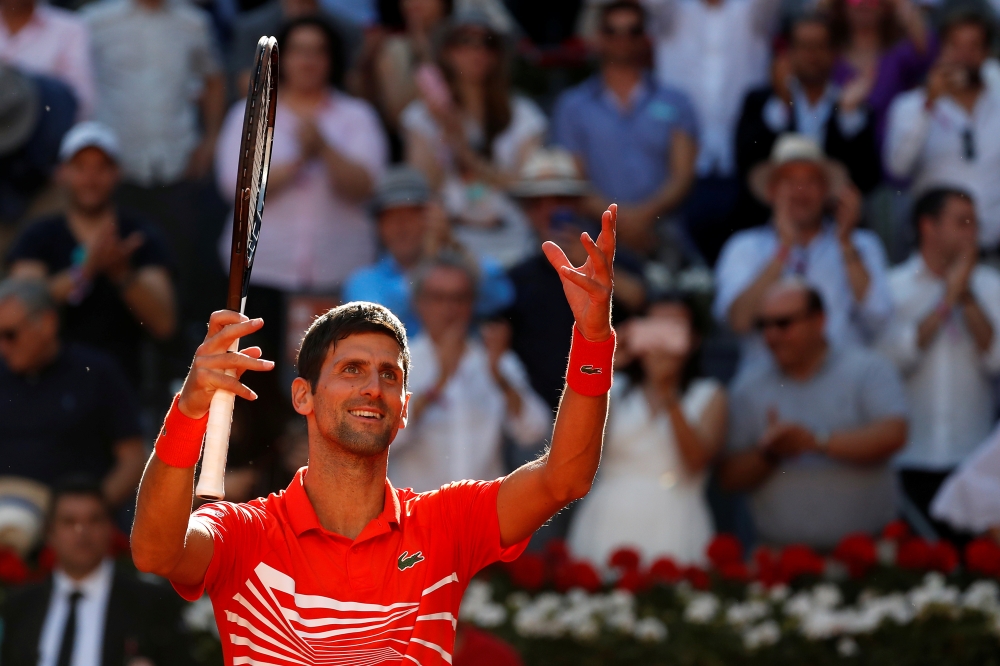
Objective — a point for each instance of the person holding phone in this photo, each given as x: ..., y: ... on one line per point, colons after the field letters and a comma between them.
x: 665, y: 429
x: 948, y: 132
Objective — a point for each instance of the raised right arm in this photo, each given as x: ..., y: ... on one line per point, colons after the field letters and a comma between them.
x: 164, y: 539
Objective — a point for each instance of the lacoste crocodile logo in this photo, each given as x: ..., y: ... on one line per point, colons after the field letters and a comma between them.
x: 406, y: 560
x: 590, y: 370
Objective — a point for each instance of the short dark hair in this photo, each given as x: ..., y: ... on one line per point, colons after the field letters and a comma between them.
x: 965, y: 17
x: 932, y: 202
x: 810, y: 18
x: 621, y: 5
x: 340, y: 322
x: 334, y: 44
x: 77, y: 485
x: 814, y: 301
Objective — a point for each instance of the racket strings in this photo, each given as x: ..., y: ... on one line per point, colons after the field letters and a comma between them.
x: 260, y: 110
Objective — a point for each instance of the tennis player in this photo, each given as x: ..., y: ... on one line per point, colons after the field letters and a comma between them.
x: 341, y: 567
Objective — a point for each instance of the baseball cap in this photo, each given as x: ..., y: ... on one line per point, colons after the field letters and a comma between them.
x: 89, y: 134
x: 401, y: 186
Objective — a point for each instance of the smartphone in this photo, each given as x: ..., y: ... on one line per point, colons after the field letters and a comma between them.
x: 668, y: 334
x: 433, y: 88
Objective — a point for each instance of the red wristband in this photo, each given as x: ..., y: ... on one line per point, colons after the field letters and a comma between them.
x: 179, y: 442
x: 591, y: 364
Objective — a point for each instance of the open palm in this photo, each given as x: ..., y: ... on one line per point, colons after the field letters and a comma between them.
x: 588, y: 287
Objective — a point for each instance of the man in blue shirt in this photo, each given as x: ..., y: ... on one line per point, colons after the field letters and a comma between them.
x: 635, y: 139
x: 408, y: 236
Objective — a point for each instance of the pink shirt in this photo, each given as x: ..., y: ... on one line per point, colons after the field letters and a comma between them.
x: 55, y: 43
x: 311, y: 239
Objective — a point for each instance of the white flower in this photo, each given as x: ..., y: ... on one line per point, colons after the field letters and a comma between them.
x: 982, y: 595
x: 822, y: 623
x: 518, y: 600
x: 886, y: 552
x: 847, y: 647
x: 199, y: 616
x: 622, y: 619
x: 478, y: 594
x: 779, y: 593
x: 765, y: 633
x: 586, y: 630
x: 650, y: 630
x: 702, y: 608
x: 741, y: 614
x: 799, y: 604
x: 934, y: 592
x: 826, y: 596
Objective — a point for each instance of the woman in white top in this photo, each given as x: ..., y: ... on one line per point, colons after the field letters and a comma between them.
x: 471, y: 136
x: 665, y: 429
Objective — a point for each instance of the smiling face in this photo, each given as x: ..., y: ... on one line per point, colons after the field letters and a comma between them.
x: 359, y: 401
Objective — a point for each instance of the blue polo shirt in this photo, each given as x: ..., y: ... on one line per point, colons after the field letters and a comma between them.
x: 385, y: 283
x: 626, y: 152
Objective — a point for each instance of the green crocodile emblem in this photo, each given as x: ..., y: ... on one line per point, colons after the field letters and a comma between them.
x: 406, y: 560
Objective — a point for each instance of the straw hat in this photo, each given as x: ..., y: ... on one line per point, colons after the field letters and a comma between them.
x: 24, y: 504
x: 795, y: 148
x: 550, y: 172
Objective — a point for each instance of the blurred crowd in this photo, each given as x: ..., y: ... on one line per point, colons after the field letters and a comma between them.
x: 807, y: 288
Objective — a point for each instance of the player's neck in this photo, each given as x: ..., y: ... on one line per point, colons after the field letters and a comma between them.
x: 346, y: 491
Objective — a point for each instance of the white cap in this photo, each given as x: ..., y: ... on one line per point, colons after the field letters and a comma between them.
x: 789, y: 148
x: 89, y: 134
x: 550, y: 172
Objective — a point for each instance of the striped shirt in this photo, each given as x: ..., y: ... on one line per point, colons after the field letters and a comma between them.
x: 286, y: 592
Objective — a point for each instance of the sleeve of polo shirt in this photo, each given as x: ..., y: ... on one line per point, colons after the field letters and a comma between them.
x: 687, y: 118
x: 737, y: 268
x: 236, y: 531
x: 366, y: 143
x: 906, y: 133
x: 881, y: 393
x: 470, y: 516
x: 565, y: 128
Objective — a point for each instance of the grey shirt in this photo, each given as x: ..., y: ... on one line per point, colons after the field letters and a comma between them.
x: 813, y: 499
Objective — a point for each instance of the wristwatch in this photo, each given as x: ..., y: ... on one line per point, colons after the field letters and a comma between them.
x: 822, y: 440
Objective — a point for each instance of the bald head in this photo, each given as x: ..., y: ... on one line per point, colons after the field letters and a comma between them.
x: 793, y: 324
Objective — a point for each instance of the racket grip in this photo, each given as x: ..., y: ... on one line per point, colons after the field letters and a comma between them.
x: 211, y: 483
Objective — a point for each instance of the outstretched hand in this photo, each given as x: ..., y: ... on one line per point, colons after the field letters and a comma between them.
x: 588, y: 287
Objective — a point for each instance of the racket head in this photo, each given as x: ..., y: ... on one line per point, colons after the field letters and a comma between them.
x: 254, y: 164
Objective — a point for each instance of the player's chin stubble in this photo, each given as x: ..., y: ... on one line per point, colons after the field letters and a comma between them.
x: 362, y: 441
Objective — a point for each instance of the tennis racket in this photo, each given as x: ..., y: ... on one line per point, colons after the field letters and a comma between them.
x: 255, y: 159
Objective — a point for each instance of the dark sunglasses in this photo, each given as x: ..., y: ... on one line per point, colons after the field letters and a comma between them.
x: 630, y: 31
x: 762, y: 324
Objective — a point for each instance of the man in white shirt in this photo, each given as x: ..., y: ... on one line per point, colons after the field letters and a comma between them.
x: 943, y: 339
x: 89, y: 613
x: 47, y: 40
x: 844, y: 264
x: 948, y: 132
x: 468, y: 393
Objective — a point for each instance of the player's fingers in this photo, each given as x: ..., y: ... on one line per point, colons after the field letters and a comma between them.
x: 588, y: 284
x: 252, y: 352
x: 602, y: 271
x: 220, y: 380
x: 229, y: 334
x: 609, y: 225
x: 234, y: 361
x: 555, y: 255
x: 222, y: 318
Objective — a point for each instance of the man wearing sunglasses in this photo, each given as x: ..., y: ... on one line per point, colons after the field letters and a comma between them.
x: 64, y: 408
x: 812, y: 434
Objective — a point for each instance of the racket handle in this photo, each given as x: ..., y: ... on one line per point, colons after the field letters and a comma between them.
x: 211, y: 483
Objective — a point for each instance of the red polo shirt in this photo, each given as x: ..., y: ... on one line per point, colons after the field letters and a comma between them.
x: 286, y: 592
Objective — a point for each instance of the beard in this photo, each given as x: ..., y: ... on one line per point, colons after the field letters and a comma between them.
x: 359, y: 438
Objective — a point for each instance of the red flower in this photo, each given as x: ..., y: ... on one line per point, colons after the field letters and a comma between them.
x: 13, y: 570
x: 577, y: 574
x: 914, y: 553
x: 624, y: 558
x: 897, y: 530
x: 46, y: 561
x: 737, y: 571
x: 633, y: 581
x: 857, y: 552
x: 556, y: 552
x: 665, y: 570
x: 944, y: 557
x: 798, y: 560
x: 527, y: 571
x: 724, y: 549
x: 698, y: 577
x: 766, y: 565
x: 982, y: 556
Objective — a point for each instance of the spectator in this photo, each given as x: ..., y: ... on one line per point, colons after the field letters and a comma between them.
x: 635, y: 139
x: 268, y: 19
x: 945, y: 133
x: 666, y: 427
x: 328, y: 154
x: 107, y: 269
x: 37, y: 111
x: 157, y: 75
x: 471, y: 136
x: 886, y: 49
x: 406, y: 225
x: 943, y: 339
x: 845, y: 264
x: 715, y: 51
x: 812, y: 434
x: 91, y: 610
x: 46, y: 40
x: 64, y: 408
x: 804, y: 99
x: 552, y: 194
x: 467, y: 393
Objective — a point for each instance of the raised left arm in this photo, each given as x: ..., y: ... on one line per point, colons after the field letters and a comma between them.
x: 565, y: 472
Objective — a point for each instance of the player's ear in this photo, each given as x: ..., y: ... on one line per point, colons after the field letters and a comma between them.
x: 302, y: 396
x: 405, y: 415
